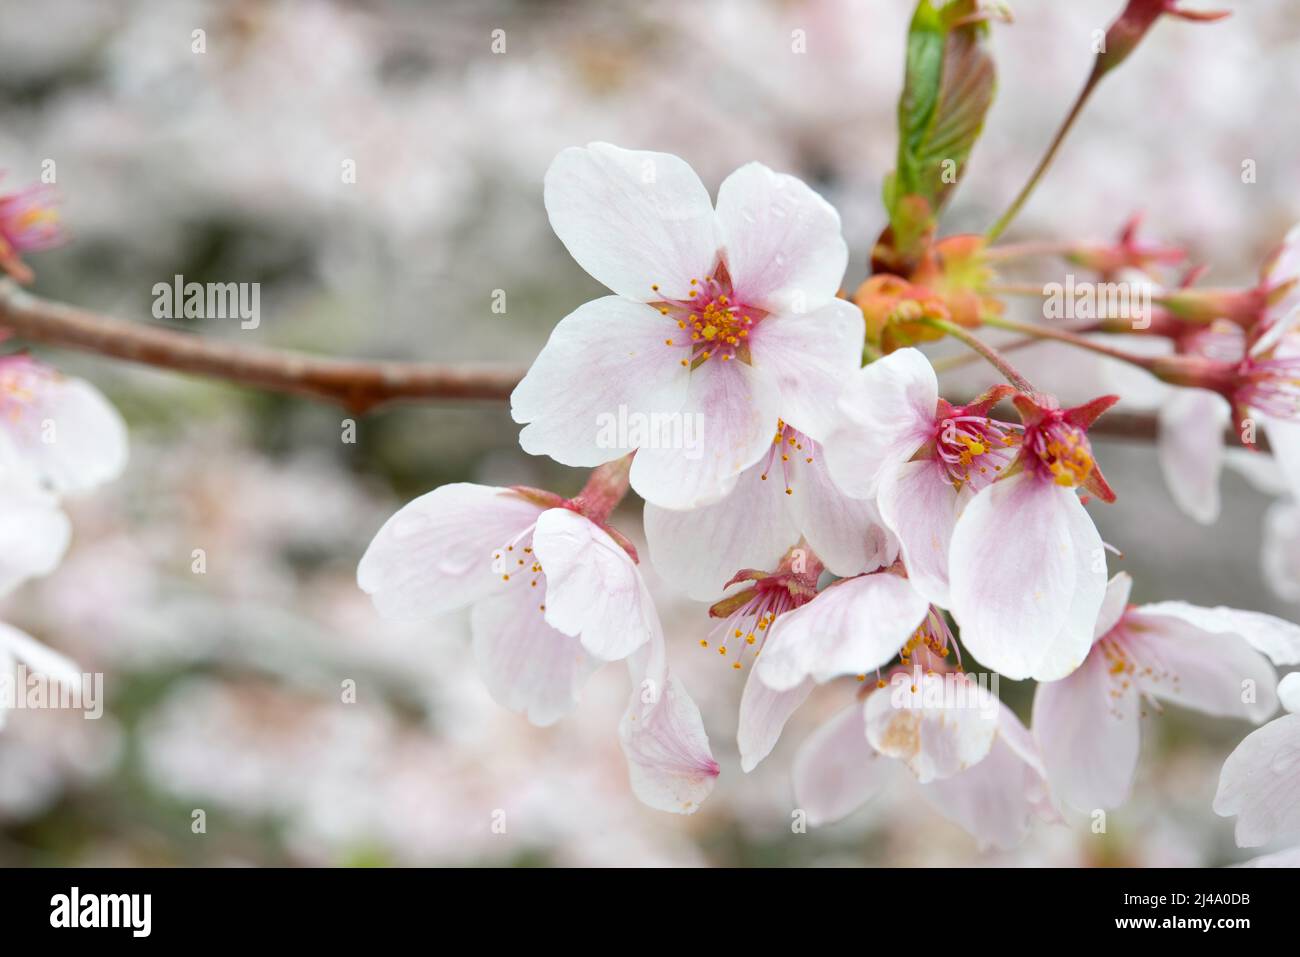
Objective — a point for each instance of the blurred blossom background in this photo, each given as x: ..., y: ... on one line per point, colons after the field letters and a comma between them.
x: 223, y: 688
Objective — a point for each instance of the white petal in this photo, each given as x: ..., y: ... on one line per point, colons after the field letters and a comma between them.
x: 736, y: 410
x: 938, y: 725
x: 763, y: 714
x: 527, y: 665
x: 633, y: 219
x: 888, y: 413
x: 1028, y: 575
x: 1190, y: 449
x: 698, y: 551
x: 809, y: 356
x: 66, y: 435
x: 920, y: 506
x: 593, y: 392
x: 1260, y: 781
x: 1275, y: 637
x: 669, y: 761
x: 847, y: 534
x: 1086, y: 726
x: 33, y: 533
x: 436, y: 552
x: 39, y: 659
x: 1114, y: 604
x: 1259, y: 469
x: 1286, y: 858
x: 593, y: 588
x: 1288, y: 692
x: 1219, y: 674
x: 854, y: 626
x: 996, y: 800
x: 836, y: 770
x: 782, y: 241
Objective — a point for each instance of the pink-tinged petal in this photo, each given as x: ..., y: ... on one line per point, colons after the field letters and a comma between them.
x: 1114, y: 604
x: 669, y: 761
x: 593, y: 588
x: 1288, y: 692
x: 920, y: 505
x: 34, y: 533
x: 809, y: 356
x: 603, y: 377
x: 996, y: 800
x: 854, y: 626
x: 782, y: 242
x: 847, y: 534
x: 1284, y: 443
x: 836, y: 770
x: 763, y: 714
x: 1260, y: 781
x: 527, y: 665
x: 64, y: 434
x: 733, y: 410
x: 1086, y: 726
x: 1028, y: 575
x: 750, y: 528
x: 1275, y: 637
x: 1219, y: 674
x: 938, y: 725
x: 887, y: 412
x: 632, y: 219
x: 436, y: 553
x: 1190, y: 449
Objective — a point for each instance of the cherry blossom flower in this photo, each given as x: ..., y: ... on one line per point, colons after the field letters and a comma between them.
x: 787, y: 496
x: 1215, y: 660
x: 852, y: 627
x: 19, y: 648
x: 552, y: 596
x: 1261, y: 778
x: 56, y: 430
x: 920, y: 457
x: 728, y: 317
x: 28, y: 223
x: 976, y: 764
x: 1027, y: 568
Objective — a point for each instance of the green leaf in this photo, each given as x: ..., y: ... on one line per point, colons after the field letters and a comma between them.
x: 947, y: 91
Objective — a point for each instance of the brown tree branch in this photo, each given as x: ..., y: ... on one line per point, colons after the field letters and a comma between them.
x: 358, y: 385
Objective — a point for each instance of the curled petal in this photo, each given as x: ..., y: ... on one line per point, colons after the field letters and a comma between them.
x: 593, y: 589
x: 920, y: 506
x: 669, y: 761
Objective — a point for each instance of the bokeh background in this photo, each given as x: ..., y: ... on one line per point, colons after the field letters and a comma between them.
x: 224, y: 688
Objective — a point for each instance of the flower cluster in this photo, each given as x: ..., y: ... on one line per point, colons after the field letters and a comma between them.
x: 846, y: 521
